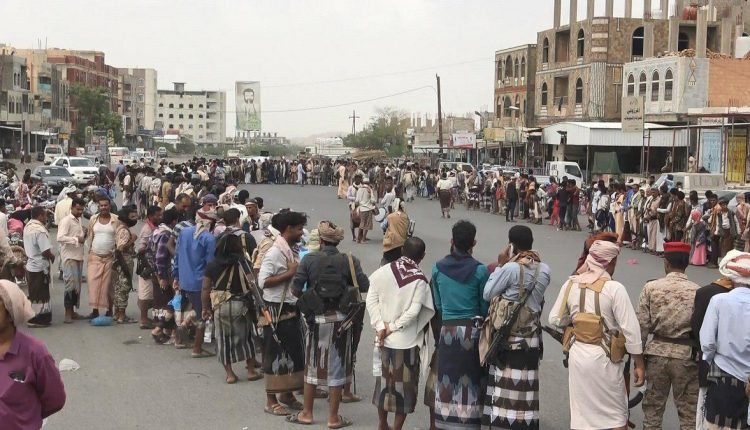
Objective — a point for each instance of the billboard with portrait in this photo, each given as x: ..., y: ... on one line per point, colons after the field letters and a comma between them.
x: 247, y: 105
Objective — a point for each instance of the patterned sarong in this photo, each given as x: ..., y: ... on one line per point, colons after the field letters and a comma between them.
x: 284, y: 365
x: 101, y: 287
x: 327, y: 356
x: 233, y: 328
x: 512, y: 397
x: 460, y: 378
x: 396, y: 389
x: 72, y: 273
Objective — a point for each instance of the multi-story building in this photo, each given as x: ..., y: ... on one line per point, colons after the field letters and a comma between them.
x: 137, y: 92
x: 515, y: 75
x: 200, y: 115
x: 15, y: 103
x: 86, y: 68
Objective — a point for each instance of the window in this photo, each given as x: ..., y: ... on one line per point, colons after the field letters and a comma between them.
x: 200, y: 125
x: 181, y: 106
x: 171, y: 105
x: 631, y: 85
x: 642, y: 84
x: 637, y: 45
x: 190, y: 106
x: 171, y: 115
x: 508, y: 67
x: 181, y: 126
x: 580, y: 44
x: 171, y: 125
x: 683, y: 42
x: 190, y: 116
x: 161, y: 104
x: 579, y: 91
x: 190, y: 126
x: 506, y: 107
x: 515, y: 68
x: 200, y: 115
x: 544, y: 94
x: 200, y: 106
x: 523, y: 66
x: 499, y: 70
x: 668, y: 85
x: 161, y: 115
x: 545, y: 51
x: 200, y: 136
x: 499, y: 108
x: 182, y: 116
x: 655, y: 86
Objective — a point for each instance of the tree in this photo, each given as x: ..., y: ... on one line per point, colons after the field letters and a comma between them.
x: 94, y: 110
x: 385, y: 131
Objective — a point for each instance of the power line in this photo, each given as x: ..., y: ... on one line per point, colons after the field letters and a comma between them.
x: 379, y: 75
x: 350, y: 103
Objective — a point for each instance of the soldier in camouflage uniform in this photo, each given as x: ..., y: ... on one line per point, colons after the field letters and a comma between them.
x: 665, y: 310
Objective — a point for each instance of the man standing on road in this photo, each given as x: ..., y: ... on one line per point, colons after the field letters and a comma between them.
x: 194, y: 249
x: 511, y: 197
x: 283, y: 349
x: 400, y: 306
x: 36, y: 244
x: 396, y: 234
x: 457, y: 284
x: 725, y: 341
x: 520, y: 279
x: 146, y: 284
x: 665, y: 309
x: 328, y: 359
x: 598, y: 397
x: 70, y: 237
x: 123, y: 264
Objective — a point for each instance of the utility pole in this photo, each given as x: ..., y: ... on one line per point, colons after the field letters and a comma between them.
x: 440, y: 116
x: 354, y: 122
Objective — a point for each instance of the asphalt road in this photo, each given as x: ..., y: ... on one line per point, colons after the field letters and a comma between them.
x: 128, y: 382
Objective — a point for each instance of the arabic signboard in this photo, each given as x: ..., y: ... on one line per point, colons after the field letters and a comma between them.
x: 632, y: 114
x: 464, y: 140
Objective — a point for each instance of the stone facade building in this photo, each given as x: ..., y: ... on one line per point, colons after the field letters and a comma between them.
x: 515, y: 77
x: 200, y: 115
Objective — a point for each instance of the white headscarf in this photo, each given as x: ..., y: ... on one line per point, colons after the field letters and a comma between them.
x: 601, y: 253
x: 736, y: 266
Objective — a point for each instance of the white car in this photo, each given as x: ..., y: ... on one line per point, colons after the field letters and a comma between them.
x: 83, y: 169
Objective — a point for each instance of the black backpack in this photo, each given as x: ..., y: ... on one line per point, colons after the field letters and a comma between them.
x: 330, y: 284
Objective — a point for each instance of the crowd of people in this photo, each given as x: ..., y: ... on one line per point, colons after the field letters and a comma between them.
x: 210, y: 266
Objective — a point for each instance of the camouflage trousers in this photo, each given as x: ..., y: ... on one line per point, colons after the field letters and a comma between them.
x: 663, y: 374
x: 123, y: 283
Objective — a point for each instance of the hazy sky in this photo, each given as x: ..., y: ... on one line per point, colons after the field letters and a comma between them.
x: 291, y: 46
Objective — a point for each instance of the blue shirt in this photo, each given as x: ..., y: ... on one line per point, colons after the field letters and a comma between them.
x: 725, y: 333
x: 505, y: 280
x: 458, y: 301
x: 191, y: 257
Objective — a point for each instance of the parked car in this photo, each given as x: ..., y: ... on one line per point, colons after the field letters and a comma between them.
x: 50, y: 153
x: 82, y: 169
x: 56, y: 178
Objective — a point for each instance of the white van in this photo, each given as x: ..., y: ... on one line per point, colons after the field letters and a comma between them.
x: 51, y: 152
x: 455, y: 165
x: 117, y: 153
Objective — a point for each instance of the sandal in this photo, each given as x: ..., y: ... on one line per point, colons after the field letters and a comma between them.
x: 294, y: 419
x: 343, y: 422
x: 295, y: 405
x: 126, y: 320
x: 278, y: 410
x: 147, y: 326
x: 258, y: 376
x: 353, y: 399
x: 160, y: 338
x: 202, y: 354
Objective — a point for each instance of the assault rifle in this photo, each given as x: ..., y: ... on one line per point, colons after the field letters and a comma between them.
x: 261, y: 306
